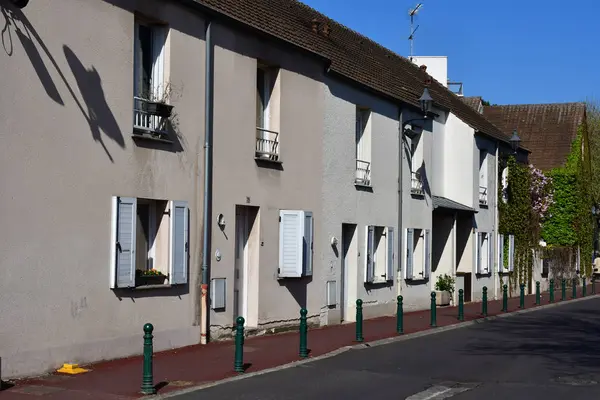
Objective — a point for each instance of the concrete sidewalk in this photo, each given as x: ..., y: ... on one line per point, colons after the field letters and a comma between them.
x: 196, y: 365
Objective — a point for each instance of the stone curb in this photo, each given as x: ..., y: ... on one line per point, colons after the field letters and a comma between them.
x: 375, y: 343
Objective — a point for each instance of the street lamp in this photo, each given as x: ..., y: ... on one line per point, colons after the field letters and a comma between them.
x: 426, y: 102
x: 515, y: 140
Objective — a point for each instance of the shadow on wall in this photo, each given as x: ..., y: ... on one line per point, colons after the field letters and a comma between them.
x: 96, y: 112
x: 298, y: 289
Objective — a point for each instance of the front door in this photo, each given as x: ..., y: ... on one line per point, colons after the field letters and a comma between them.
x: 240, y: 289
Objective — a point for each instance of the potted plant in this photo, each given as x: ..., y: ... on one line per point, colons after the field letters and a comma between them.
x: 444, y: 288
x: 158, y: 105
x: 149, y: 277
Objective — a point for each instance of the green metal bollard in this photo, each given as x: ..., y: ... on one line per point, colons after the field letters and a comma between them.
x: 522, y: 296
x: 147, y: 377
x: 359, y: 321
x: 238, y: 365
x: 303, y: 333
x: 574, y: 288
x: 584, y: 288
x: 563, y: 294
x: 551, y: 290
x: 461, y: 305
x: 505, y: 298
x: 433, y: 322
x: 484, y: 304
x: 399, y: 315
x: 538, y: 296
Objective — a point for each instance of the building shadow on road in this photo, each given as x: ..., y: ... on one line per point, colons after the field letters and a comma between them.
x: 564, y: 338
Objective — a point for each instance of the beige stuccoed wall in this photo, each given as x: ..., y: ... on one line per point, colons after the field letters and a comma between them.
x: 238, y: 179
x: 66, y: 148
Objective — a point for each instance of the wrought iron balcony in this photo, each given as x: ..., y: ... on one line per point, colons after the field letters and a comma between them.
x: 267, y: 144
x: 416, y: 184
x: 363, y: 173
x: 483, y: 196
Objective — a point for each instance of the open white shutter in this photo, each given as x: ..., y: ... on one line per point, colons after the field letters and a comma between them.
x: 410, y: 243
x: 179, y: 243
x: 291, y: 243
x: 390, y: 254
x: 478, y: 242
x: 500, y: 253
x: 159, y: 38
x: 427, y: 255
x: 308, y: 243
x: 490, y: 260
x: 124, y: 233
x: 511, y: 252
x: 370, y: 254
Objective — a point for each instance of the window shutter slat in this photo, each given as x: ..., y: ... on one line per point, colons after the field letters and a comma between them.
x: 478, y: 253
x: 369, y: 262
x: 500, y: 253
x: 427, y: 257
x: 390, y: 254
x: 179, y: 243
x: 511, y: 252
x: 308, y: 243
x: 291, y: 243
x: 410, y: 243
x: 125, y: 243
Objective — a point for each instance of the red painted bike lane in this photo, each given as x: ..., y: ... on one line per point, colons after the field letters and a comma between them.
x: 195, y: 365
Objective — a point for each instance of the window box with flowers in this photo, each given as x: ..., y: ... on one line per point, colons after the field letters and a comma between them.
x: 149, y: 277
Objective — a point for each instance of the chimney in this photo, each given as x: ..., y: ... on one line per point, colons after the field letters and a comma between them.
x: 315, y: 25
x: 428, y: 81
x: 423, y: 68
x: 326, y: 29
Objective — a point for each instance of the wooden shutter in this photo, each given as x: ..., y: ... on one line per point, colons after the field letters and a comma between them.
x: 179, y: 242
x: 500, y: 253
x: 125, y: 228
x: 410, y: 243
x: 370, y: 253
x: 390, y: 254
x: 308, y: 243
x: 291, y: 241
x: 427, y: 255
x: 511, y: 252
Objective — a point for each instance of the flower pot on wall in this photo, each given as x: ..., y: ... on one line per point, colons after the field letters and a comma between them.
x: 159, y: 109
x: 442, y: 298
x: 145, y: 280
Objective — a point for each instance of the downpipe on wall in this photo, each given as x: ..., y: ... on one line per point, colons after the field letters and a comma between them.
x: 207, y: 208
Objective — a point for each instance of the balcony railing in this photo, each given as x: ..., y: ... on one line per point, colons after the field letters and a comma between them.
x: 146, y: 122
x: 363, y: 173
x: 416, y: 184
x: 483, y: 196
x: 267, y: 144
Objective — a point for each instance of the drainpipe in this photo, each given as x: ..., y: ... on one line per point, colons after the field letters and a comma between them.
x: 206, y: 215
x: 497, y: 283
x: 400, y: 205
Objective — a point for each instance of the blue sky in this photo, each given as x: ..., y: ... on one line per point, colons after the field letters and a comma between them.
x: 508, y: 51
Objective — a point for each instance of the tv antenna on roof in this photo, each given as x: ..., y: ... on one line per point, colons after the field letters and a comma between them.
x: 411, y: 38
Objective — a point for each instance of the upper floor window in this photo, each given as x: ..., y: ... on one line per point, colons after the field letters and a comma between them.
x: 267, y: 113
x: 363, y: 146
x: 150, y: 90
x: 416, y: 165
x: 483, y: 178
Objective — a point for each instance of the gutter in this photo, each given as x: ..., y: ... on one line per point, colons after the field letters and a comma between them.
x: 207, y: 206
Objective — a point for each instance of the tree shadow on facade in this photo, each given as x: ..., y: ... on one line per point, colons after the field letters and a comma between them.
x: 98, y: 114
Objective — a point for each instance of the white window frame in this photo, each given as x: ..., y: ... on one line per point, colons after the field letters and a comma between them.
x: 374, y: 272
x: 114, y: 267
x: 159, y: 44
x: 423, y: 241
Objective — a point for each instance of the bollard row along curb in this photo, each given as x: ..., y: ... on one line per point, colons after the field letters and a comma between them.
x: 375, y: 343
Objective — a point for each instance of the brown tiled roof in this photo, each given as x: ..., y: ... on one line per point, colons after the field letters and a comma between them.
x: 472, y: 101
x: 546, y: 129
x: 351, y: 54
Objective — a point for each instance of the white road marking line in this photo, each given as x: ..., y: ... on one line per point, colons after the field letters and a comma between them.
x: 438, y: 393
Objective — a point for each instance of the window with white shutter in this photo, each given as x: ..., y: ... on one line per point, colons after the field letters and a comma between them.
x: 490, y: 251
x: 500, y: 253
x: 370, y: 255
x: 390, y: 254
x: 511, y: 253
x: 427, y: 254
x: 409, y: 246
x: 179, y: 244
x: 150, y: 242
x: 478, y: 242
x: 295, y: 243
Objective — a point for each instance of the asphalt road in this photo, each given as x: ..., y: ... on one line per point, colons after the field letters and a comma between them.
x: 546, y: 354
